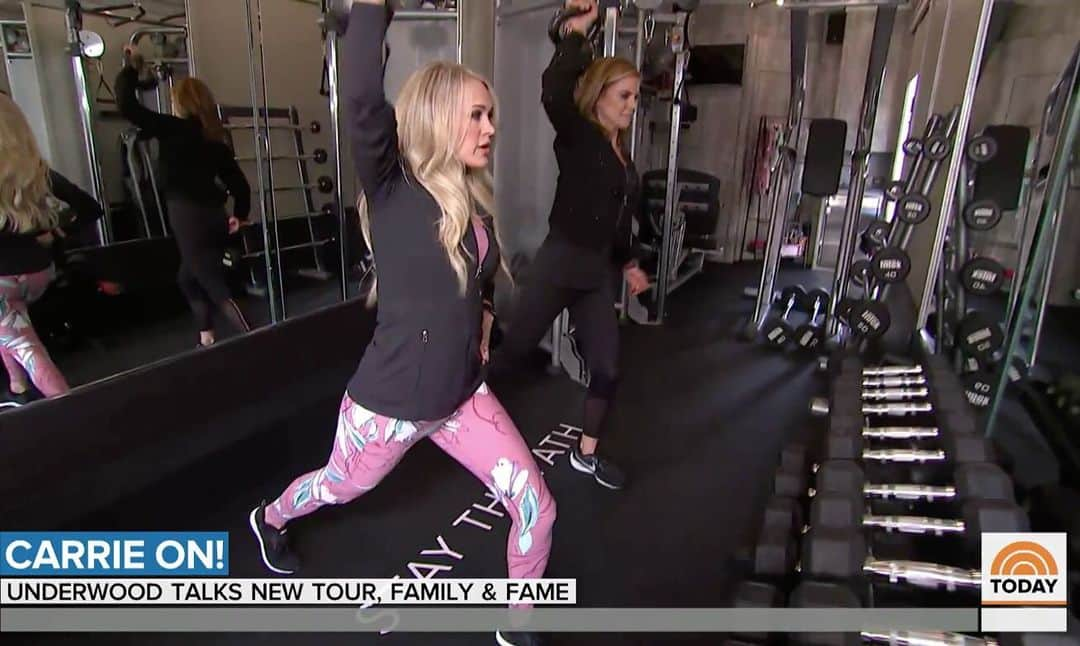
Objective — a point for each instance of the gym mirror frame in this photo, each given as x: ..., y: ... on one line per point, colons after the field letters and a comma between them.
x: 67, y: 29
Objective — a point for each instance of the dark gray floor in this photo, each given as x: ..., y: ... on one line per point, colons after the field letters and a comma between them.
x: 698, y: 424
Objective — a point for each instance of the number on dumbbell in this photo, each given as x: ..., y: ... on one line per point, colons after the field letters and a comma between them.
x: 982, y: 276
x: 890, y: 265
x: 982, y: 215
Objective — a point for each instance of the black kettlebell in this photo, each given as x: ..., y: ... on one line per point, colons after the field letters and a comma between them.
x: 565, y: 14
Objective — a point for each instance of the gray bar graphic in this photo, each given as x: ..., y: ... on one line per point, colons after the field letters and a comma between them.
x: 450, y: 620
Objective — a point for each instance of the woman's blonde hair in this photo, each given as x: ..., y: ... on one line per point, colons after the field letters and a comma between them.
x: 430, y: 130
x: 601, y: 73
x: 24, y: 175
x: 192, y: 98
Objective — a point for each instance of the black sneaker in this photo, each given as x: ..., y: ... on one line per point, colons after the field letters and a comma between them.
x: 605, y: 471
x: 519, y: 639
x: 273, y: 544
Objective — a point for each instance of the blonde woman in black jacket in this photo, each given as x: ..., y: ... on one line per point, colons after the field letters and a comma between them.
x: 590, y: 103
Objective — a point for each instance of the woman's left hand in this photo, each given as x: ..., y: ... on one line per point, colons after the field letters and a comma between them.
x: 485, y: 337
x: 234, y: 224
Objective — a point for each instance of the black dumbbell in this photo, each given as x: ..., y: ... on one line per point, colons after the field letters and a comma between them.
x: 848, y: 511
x: 890, y: 265
x: 955, y: 449
x: 982, y: 276
x: 874, y: 237
x: 869, y: 319
x: 810, y: 335
x: 981, y: 149
x: 835, y: 553
x: 979, y: 336
x: 825, y: 594
x: 319, y: 156
x: 756, y: 594
x: 325, y: 184
x: 982, y: 215
x: 777, y: 329
x: 913, y: 208
x: 315, y: 127
x: 974, y: 481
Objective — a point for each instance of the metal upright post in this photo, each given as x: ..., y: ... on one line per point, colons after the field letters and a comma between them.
x: 639, y: 56
x: 73, y: 21
x: 875, y: 72
x: 948, y: 202
x: 269, y: 241
x: 671, y: 196
x: 331, y: 27
x: 784, y: 163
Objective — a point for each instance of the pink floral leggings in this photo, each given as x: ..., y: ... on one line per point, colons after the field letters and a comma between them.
x: 480, y: 435
x: 21, y: 349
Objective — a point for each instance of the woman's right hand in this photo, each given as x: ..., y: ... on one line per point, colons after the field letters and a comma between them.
x: 582, y: 23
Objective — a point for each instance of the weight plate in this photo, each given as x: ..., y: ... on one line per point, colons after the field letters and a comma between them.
x: 890, y: 265
x: 977, y: 389
x: 913, y: 208
x: 860, y: 270
x: 980, y: 336
x: 913, y: 146
x: 982, y: 276
x: 982, y: 215
x: 869, y: 319
x: 981, y: 149
x: 937, y: 147
x: 895, y: 190
x: 874, y: 237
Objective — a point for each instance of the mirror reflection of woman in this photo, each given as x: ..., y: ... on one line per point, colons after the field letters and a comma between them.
x: 194, y: 155
x: 37, y: 206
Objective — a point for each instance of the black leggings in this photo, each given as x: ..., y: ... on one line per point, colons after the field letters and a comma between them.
x: 201, y: 233
x: 596, y: 331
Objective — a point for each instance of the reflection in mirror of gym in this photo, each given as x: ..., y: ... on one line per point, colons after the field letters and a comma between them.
x: 698, y: 308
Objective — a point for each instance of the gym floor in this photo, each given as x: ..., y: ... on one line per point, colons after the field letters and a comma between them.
x: 698, y: 426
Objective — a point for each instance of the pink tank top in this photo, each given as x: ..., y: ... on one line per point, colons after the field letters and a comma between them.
x: 481, y: 240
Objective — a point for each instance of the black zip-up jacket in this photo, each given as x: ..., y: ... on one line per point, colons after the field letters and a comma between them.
x: 423, y: 361
x: 596, y: 197
x: 21, y: 253
x: 190, y: 164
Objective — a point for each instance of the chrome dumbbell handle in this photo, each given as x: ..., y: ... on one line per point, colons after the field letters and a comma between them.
x: 917, y: 456
x: 915, y: 524
x: 922, y: 638
x: 909, y: 492
x: 900, y: 432
x: 905, y: 408
x: 891, y: 371
x: 894, y: 394
x: 925, y: 575
x: 893, y: 382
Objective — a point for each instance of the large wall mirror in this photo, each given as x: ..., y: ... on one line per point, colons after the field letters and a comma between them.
x: 107, y: 90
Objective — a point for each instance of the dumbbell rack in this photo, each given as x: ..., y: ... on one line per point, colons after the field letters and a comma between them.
x: 239, y: 118
x: 792, y: 558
